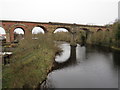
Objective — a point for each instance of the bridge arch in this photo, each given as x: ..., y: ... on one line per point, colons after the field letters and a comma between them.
x: 2, y: 33
x: 85, y: 29
x: 61, y: 29
x: 2, y: 30
x: 13, y: 27
x: 84, y: 33
x: 39, y: 28
x: 19, y: 33
x: 107, y: 30
x: 99, y: 30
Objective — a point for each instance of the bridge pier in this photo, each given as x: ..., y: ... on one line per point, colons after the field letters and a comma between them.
x: 73, y: 34
x: 8, y: 37
x: 73, y: 41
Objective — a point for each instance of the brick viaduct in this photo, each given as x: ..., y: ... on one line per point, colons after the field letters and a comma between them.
x: 50, y: 27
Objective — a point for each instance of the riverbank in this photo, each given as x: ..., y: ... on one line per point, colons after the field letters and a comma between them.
x: 104, y: 46
x: 102, y: 39
x: 115, y: 48
x: 30, y: 63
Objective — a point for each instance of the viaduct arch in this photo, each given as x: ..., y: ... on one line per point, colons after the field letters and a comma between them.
x: 50, y: 27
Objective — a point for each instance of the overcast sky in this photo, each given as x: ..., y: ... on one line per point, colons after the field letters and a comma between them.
x: 98, y: 12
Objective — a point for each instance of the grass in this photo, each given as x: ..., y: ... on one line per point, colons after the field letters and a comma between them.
x: 30, y: 63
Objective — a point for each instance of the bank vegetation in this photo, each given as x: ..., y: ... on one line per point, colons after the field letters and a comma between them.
x: 107, y: 38
x: 30, y: 62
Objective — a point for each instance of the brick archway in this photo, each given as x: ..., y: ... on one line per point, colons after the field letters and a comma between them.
x: 42, y: 27
x: 49, y: 27
x: 99, y: 30
x: 66, y: 28
x: 12, y: 28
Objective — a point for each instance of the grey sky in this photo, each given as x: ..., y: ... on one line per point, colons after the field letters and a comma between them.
x: 71, y: 11
x: 99, y: 12
x: 119, y: 10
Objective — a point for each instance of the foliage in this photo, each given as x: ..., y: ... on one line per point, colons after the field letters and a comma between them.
x: 106, y: 38
x: 62, y: 36
x: 30, y: 63
x: 116, y: 28
x: 66, y: 36
x: 102, y: 38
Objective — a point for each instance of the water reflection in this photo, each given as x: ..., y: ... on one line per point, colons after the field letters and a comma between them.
x: 64, y: 56
x: 116, y: 57
x: 87, y: 67
x: 81, y: 56
x: 71, y: 61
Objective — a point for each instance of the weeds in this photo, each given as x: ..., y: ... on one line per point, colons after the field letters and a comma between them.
x: 31, y: 62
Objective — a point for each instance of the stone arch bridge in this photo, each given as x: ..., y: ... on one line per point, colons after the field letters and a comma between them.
x: 50, y: 27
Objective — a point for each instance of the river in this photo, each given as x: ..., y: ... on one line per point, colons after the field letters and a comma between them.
x: 84, y: 67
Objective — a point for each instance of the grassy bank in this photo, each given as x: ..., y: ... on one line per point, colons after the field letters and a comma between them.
x: 30, y: 63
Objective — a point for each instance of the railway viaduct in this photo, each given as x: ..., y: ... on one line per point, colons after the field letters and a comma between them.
x: 50, y: 27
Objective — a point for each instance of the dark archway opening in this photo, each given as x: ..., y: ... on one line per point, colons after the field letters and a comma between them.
x: 99, y: 30
x: 84, y: 33
x: 107, y: 30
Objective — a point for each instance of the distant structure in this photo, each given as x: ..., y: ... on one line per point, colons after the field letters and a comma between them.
x: 50, y: 27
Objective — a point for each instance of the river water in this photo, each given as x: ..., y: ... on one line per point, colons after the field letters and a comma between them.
x: 84, y: 67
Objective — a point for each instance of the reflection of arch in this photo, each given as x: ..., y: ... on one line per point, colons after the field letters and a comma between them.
x: 66, y: 28
x: 42, y: 27
x: 99, y: 30
x: 70, y: 62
